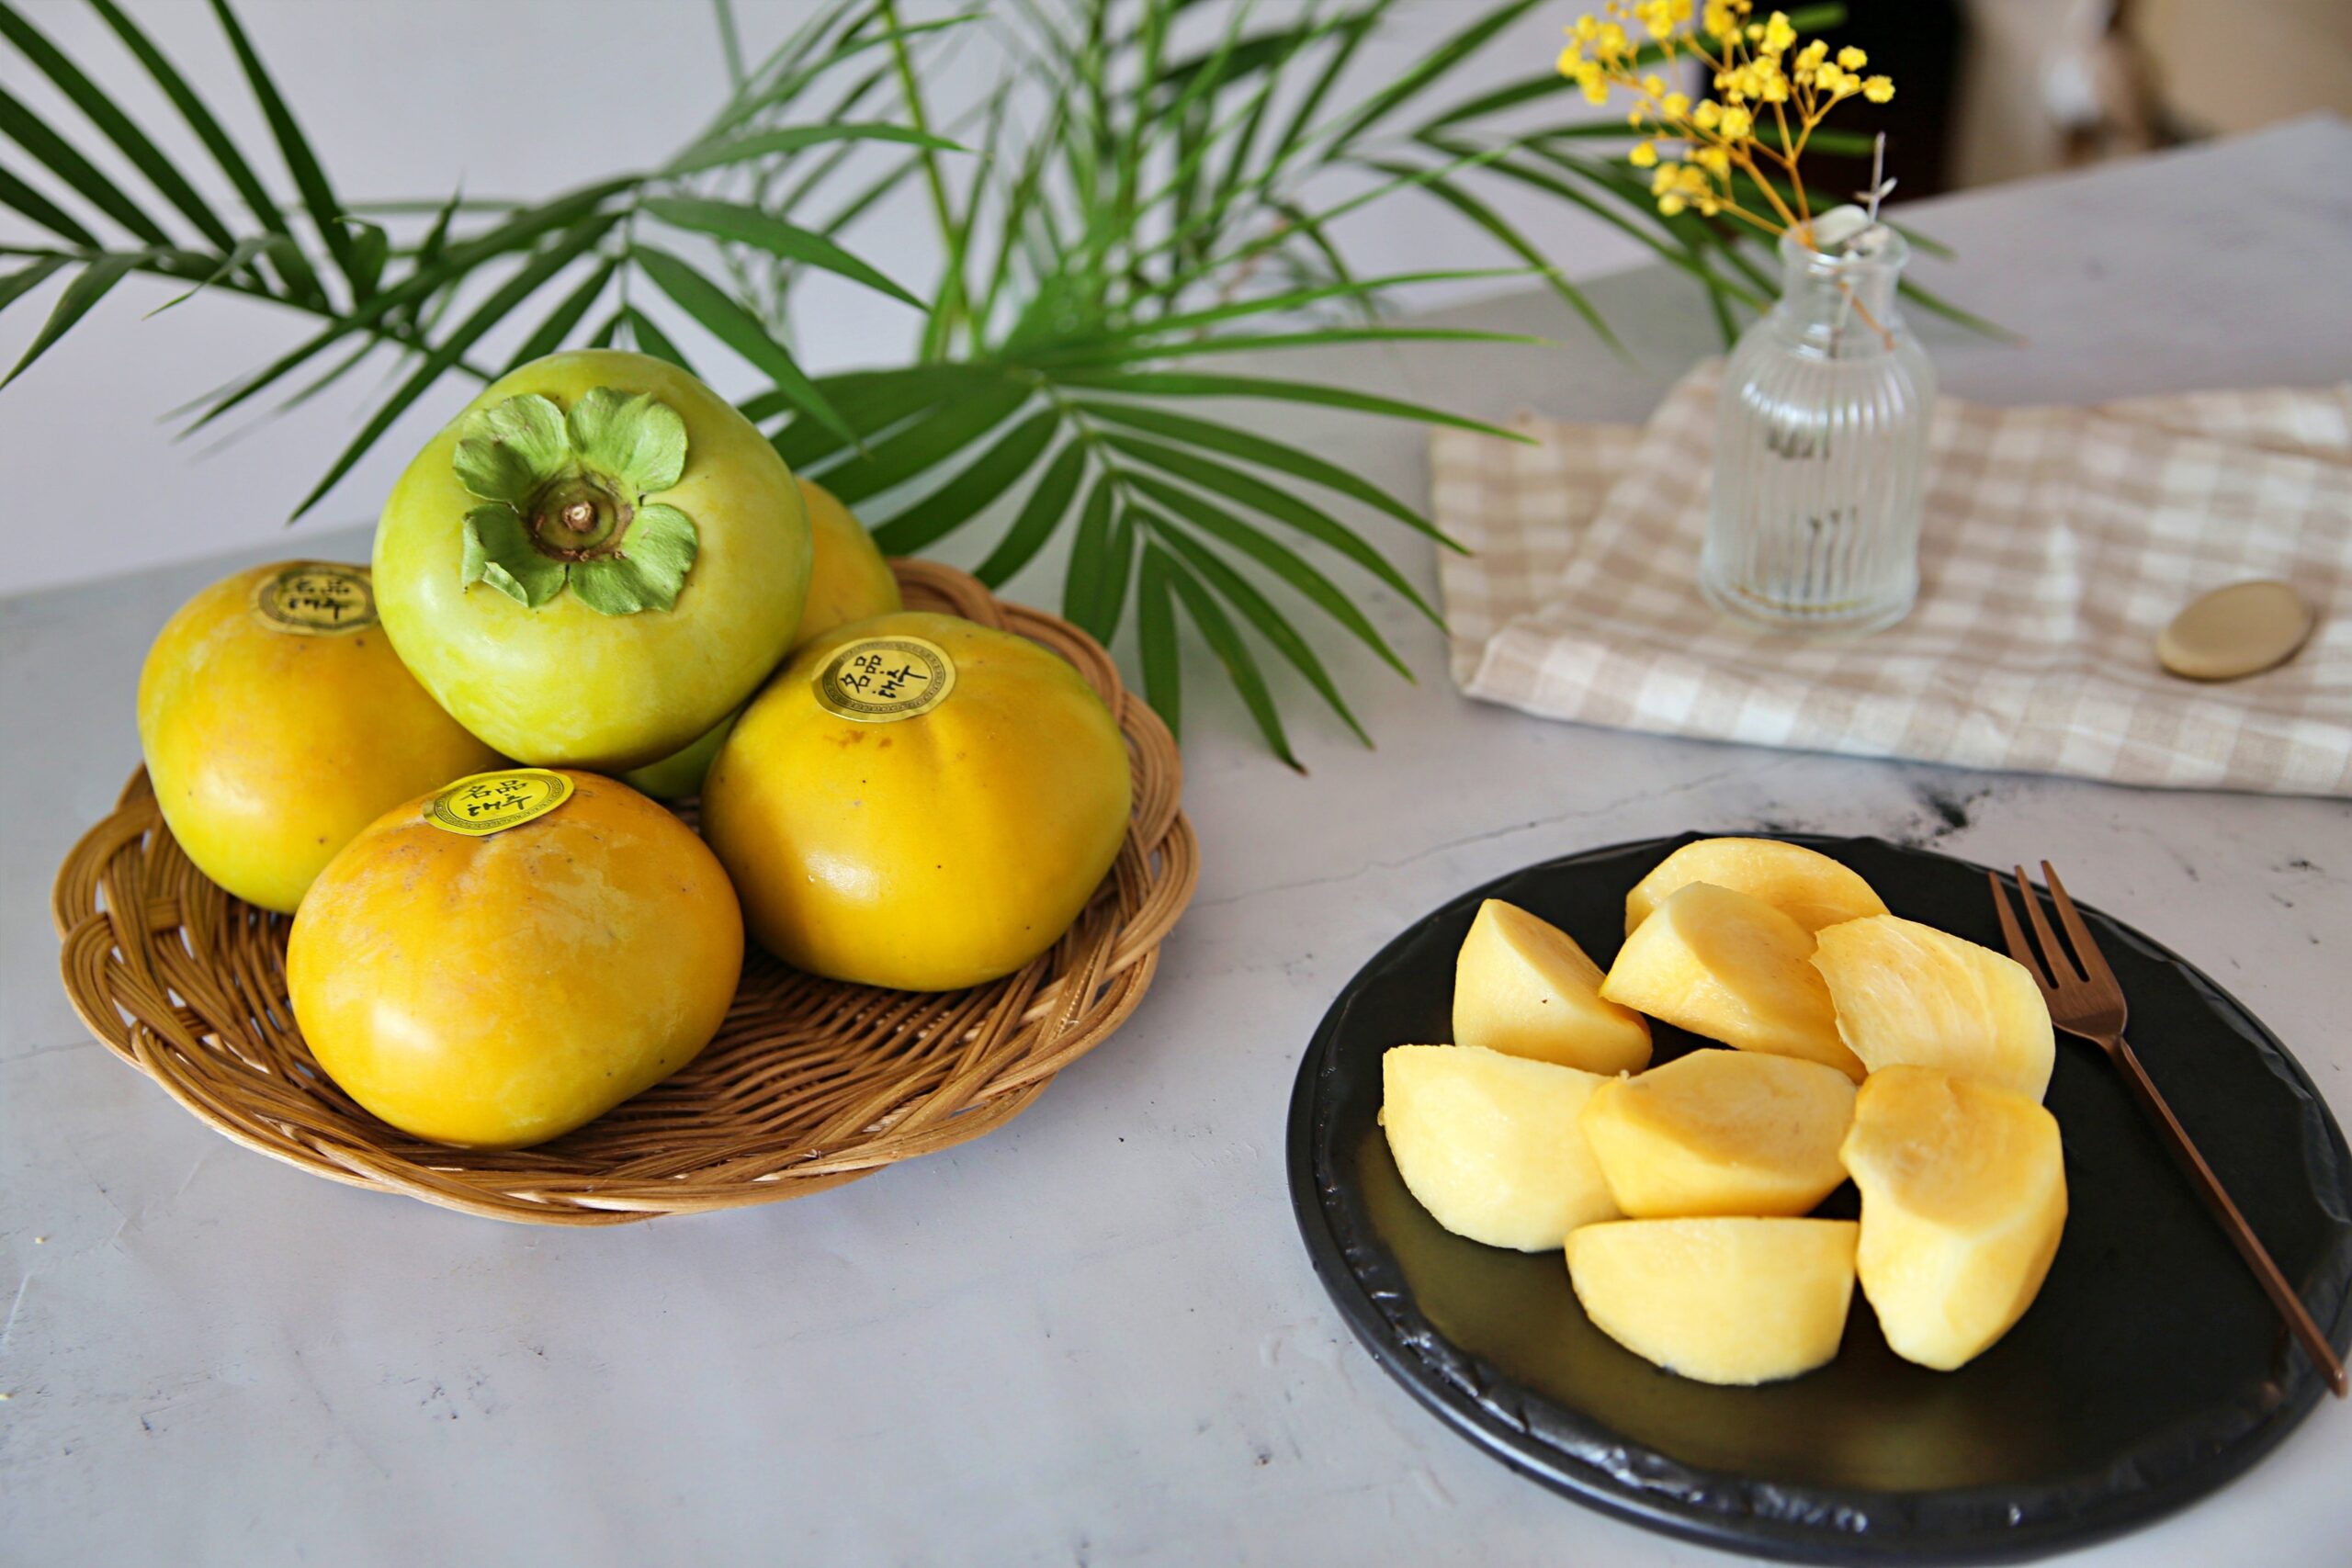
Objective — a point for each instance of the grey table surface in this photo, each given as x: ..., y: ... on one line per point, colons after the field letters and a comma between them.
x: 1093, y: 1336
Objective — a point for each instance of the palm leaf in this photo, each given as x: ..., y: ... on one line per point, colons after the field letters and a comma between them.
x: 15, y: 193
x: 26, y: 279
x: 1275, y: 557
x: 1253, y: 448
x: 53, y: 153
x: 1684, y: 255
x: 1089, y: 567
x: 488, y: 314
x: 1279, y: 505
x: 932, y: 439
x: 731, y: 324
x: 1937, y: 305
x: 117, y: 127
x: 240, y: 256
x: 1288, y: 301
x: 755, y: 88
x: 1240, y: 665
x: 1163, y: 661
x: 730, y: 42
x: 1200, y: 384
x: 1040, y: 515
x: 1527, y: 89
x: 1349, y: 34
x: 1118, y: 570
x: 296, y: 271
x: 747, y: 225
x: 1259, y: 611
x: 646, y: 333
x: 318, y: 195
x: 767, y: 143
x: 789, y: 83
x: 1436, y: 64
x: 952, y: 504
x: 89, y: 286
x: 515, y: 233
x: 334, y: 373
x: 548, y: 335
x: 870, y: 403
x: 1486, y: 218
x: 1322, y: 337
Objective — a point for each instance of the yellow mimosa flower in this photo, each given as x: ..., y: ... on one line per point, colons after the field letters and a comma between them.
x: 1750, y: 64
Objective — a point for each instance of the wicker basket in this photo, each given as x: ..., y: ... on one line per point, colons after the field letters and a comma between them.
x: 811, y: 1083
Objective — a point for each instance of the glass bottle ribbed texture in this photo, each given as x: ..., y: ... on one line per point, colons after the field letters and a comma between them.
x: 1821, y: 450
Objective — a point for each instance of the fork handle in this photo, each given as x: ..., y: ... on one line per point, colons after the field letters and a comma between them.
x: 2274, y: 1284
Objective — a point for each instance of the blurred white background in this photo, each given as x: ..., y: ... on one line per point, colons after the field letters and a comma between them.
x: 513, y: 98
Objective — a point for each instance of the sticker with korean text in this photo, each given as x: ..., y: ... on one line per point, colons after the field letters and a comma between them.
x: 483, y: 804
x: 881, y: 679
x: 316, y: 599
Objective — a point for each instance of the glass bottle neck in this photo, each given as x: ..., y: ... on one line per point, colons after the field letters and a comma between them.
x: 1841, y: 306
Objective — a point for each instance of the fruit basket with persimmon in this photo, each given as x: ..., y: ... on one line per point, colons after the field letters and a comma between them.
x: 940, y: 842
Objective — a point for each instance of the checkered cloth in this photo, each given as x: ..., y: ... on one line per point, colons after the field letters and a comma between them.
x: 2058, y: 542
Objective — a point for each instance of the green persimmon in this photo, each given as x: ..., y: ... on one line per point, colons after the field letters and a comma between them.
x: 679, y: 775
x: 596, y: 562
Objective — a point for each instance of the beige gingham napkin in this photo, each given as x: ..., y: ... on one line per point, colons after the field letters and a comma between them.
x: 2058, y: 542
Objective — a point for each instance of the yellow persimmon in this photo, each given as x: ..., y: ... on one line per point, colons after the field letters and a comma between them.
x: 496, y: 990
x: 277, y: 722
x: 919, y: 802
x: 848, y: 581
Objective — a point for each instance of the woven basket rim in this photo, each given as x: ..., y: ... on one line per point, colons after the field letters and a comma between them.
x: 811, y: 1083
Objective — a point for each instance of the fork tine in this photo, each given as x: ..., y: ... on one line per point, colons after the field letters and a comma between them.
x: 2054, y: 952
x: 2088, y: 957
x: 2014, y: 934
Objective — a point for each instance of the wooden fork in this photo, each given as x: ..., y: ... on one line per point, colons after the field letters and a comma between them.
x: 2085, y: 1000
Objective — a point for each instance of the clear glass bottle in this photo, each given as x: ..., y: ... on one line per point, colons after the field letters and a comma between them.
x: 1821, y: 444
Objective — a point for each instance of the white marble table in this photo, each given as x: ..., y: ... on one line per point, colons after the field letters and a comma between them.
x: 1092, y: 1338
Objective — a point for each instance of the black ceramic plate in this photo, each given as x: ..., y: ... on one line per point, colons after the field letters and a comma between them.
x: 2150, y: 1371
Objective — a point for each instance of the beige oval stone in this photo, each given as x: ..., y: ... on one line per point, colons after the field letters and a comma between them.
x: 2240, y: 630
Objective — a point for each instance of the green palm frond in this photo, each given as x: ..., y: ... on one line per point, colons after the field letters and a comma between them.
x: 576, y: 247
x: 1142, y: 194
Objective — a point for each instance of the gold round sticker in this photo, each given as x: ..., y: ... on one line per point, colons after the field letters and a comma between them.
x: 880, y: 680
x: 483, y: 804
x: 316, y: 599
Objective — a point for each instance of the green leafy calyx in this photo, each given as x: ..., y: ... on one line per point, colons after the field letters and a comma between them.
x: 564, y: 501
